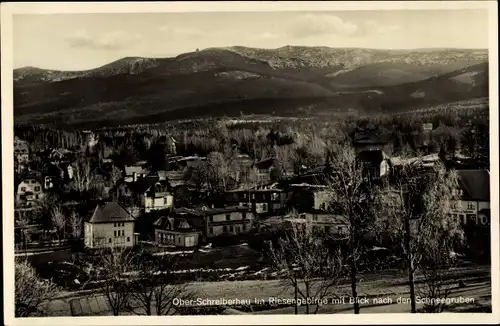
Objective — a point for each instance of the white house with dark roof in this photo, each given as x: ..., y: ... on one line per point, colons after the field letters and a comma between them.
x: 30, y: 190
x: 153, y: 193
x: 474, y: 192
x: 176, y: 232
x: 217, y: 221
x: 110, y: 225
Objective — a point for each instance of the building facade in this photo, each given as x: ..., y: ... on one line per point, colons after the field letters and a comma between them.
x: 214, y: 222
x: 175, y: 232
x: 29, y: 191
x: 110, y: 226
x: 264, y: 200
x: 474, y: 193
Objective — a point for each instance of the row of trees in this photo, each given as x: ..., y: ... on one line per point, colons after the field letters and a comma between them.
x: 131, y: 282
x: 413, y: 212
x: 209, y: 135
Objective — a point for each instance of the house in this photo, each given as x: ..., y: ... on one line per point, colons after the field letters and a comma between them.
x: 30, y: 190
x: 264, y: 170
x: 135, y: 172
x: 267, y: 200
x: 375, y: 163
x: 177, y: 232
x: 307, y: 197
x: 367, y: 140
x: 52, y: 176
x: 320, y: 222
x: 149, y: 193
x: 109, y: 226
x: 21, y: 151
x: 213, y: 222
x: 61, y: 155
x: 474, y: 193
x: 153, y: 194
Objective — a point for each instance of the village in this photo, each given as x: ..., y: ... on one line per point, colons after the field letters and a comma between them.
x: 175, y: 210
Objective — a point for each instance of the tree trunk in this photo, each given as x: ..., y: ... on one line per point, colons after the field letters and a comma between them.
x: 411, y: 271
x: 354, y: 286
x: 307, y: 297
x: 354, y: 270
x: 296, y: 296
x: 411, y: 280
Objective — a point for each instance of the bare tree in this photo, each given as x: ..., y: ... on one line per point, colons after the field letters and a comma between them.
x: 218, y: 172
x: 110, y: 272
x: 58, y: 220
x: 156, y: 285
x: 81, y: 176
x: 417, y: 216
x: 308, y: 265
x: 351, y: 198
x: 76, y: 223
x: 115, y: 175
x: 31, y: 290
x: 436, y: 262
x: 22, y: 222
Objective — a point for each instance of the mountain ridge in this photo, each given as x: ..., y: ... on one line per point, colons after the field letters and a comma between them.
x: 225, y: 81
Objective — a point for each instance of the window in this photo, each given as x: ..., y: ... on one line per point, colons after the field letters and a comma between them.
x: 211, y: 230
x: 231, y: 228
x: 128, y: 239
x: 114, y: 233
x: 243, y: 216
x: 33, y: 182
x: 165, y: 201
x: 23, y: 189
x: 224, y: 228
x: 253, y: 196
x: 123, y: 224
x: 211, y: 218
x: 228, y: 217
x: 470, y: 205
x: 114, y: 225
x: 244, y: 227
x: 123, y: 233
x: 264, y: 207
x: 37, y: 188
x: 109, y: 240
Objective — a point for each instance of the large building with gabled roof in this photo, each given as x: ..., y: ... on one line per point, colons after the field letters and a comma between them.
x: 109, y: 226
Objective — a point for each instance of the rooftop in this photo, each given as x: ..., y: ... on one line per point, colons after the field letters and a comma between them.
x: 110, y: 212
x: 209, y: 211
x: 476, y: 184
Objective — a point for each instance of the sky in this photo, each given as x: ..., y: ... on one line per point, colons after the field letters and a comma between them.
x: 86, y: 41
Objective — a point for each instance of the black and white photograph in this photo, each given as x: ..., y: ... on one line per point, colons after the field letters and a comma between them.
x: 250, y: 159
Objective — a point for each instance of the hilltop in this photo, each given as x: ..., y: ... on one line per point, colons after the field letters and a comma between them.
x: 224, y: 81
